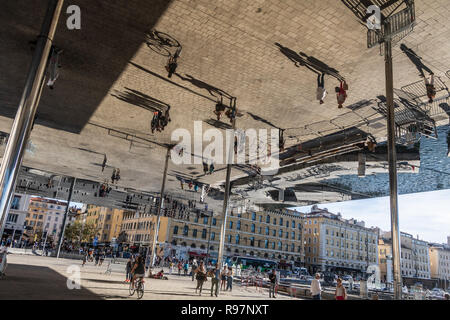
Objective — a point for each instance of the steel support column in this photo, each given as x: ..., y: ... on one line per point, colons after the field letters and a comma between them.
x: 158, y: 217
x: 392, y: 159
x: 63, y: 226
x: 21, y: 128
x: 230, y: 154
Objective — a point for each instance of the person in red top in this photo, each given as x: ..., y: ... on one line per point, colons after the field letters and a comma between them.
x: 341, y: 93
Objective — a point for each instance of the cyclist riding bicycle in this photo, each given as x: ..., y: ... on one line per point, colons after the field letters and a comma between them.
x: 138, y: 270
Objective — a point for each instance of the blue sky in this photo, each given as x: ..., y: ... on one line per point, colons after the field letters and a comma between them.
x: 425, y: 214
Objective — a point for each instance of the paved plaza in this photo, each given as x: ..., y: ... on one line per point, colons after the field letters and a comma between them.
x: 35, y: 277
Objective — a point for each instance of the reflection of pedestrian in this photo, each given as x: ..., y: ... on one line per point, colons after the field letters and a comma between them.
x: 215, y: 280
x: 321, y: 92
x: 315, y: 287
x: 341, y: 93
x: 340, y: 293
x: 431, y: 90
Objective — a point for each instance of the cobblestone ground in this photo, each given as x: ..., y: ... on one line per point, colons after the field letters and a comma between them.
x: 35, y: 277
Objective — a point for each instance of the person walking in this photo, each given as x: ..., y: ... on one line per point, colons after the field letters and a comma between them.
x: 101, y: 258
x: 223, y: 278
x: 341, y: 93
x: 315, y: 287
x: 201, y: 277
x: 215, y: 278
x: 85, y: 257
x: 273, y: 283
x: 321, y: 93
x: 229, y: 279
x: 341, y: 293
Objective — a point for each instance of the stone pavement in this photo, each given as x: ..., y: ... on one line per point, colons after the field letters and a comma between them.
x: 34, y: 277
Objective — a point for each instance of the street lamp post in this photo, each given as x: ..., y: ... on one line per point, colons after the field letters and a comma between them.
x: 63, y: 227
x: 209, y: 238
x: 161, y: 200
x: 392, y: 159
x: 227, y: 187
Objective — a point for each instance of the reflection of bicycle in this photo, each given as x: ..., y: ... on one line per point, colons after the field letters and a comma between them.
x: 161, y: 43
x: 138, y: 288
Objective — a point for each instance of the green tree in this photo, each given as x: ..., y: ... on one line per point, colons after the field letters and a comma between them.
x: 77, y: 232
x: 89, y: 231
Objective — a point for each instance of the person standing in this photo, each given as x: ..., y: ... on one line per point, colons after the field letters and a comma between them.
x: 273, y: 283
x: 341, y: 293
x: 128, y: 268
x: 193, y: 268
x: 201, y: 277
x: 321, y: 93
x: 223, y: 278
x: 229, y: 279
x: 315, y: 287
x: 170, y: 267
x: 180, y: 266
x: 186, y: 268
x: 215, y: 278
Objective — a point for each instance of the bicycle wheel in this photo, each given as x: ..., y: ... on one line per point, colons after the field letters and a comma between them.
x: 140, y: 290
x: 131, y: 290
x: 166, y: 40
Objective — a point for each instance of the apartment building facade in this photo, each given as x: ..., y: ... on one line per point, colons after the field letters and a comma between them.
x: 440, y: 264
x: 414, y: 258
x: 45, y: 215
x: 266, y: 234
x: 139, y: 228
x: 15, y: 221
x: 338, y: 245
x: 107, y: 220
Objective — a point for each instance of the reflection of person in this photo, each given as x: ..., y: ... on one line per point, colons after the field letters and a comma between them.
x: 431, y: 90
x: 321, y: 92
x: 341, y: 94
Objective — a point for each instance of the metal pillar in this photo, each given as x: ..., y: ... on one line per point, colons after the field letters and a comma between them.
x: 158, y: 217
x: 20, y: 132
x: 223, y: 226
x: 61, y: 235
x: 209, y: 238
x: 392, y: 158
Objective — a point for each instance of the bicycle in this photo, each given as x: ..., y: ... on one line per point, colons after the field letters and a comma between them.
x: 138, y: 288
x: 160, y: 42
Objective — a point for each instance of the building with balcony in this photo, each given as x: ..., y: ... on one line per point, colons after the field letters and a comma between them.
x: 45, y: 215
x: 267, y: 234
x: 107, y: 220
x: 15, y: 221
x: 440, y: 264
x: 338, y: 245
